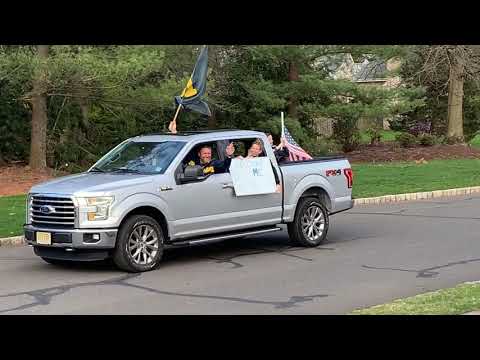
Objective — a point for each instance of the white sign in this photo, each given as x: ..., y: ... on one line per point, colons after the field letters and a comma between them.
x: 252, y: 176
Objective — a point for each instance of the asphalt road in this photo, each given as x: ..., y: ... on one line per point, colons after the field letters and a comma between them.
x: 374, y: 254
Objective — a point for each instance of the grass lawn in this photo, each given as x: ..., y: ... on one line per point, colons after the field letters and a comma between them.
x: 458, y: 300
x: 369, y: 180
x: 399, y: 178
x: 12, y: 215
x: 387, y: 135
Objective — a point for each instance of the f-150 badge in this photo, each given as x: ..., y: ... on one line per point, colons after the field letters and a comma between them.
x: 333, y: 172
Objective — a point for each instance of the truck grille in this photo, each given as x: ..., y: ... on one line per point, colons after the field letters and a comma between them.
x: 52, y: 212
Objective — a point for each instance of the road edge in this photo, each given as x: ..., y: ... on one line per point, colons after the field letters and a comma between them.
x: 417, y: 196
x: 13, y: 241
x: 20, y: 241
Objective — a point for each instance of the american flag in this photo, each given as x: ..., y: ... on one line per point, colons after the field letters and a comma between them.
x: 296, y: 153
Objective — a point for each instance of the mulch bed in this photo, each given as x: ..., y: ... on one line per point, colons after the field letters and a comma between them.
x: 18, y: 179
x: 388, y: 152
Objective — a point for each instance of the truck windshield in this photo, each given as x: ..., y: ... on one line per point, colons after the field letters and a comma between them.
x: 140, y: 158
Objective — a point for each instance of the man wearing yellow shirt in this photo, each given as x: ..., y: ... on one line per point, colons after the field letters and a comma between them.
x: 215, y: 166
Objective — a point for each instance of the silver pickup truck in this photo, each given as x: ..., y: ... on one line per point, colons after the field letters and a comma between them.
x: 141, y: 198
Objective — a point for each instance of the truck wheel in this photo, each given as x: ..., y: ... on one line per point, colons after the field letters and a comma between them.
x: 310, y: 225
x: 139, y: 244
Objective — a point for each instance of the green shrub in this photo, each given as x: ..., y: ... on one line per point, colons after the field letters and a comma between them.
x: 427, y: 140
x: 471, y: 120
x: 406, y: 140
x: 439, y: 139
x: 375, y: 134
x: 321, y: 146
x: 346, y: 133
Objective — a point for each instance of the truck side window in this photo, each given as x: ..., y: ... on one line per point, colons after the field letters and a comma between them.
x: 193, y: 154
x: 242, y: 146
x: 240, y: 149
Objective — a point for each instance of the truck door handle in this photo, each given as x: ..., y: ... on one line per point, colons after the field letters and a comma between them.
x: 227, y: 186
x: 165, y: 188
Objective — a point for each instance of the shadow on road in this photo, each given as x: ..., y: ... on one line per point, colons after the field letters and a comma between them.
x: 230, y: 251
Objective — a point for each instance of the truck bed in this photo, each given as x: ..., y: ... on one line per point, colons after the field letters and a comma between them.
x: 326, y: 172
x: 314, y: 160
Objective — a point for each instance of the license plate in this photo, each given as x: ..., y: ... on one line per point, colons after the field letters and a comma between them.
x: 44, y: 238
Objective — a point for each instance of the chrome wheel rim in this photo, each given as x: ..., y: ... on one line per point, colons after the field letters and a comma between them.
x: 313, y: 223
x: 143, y: 244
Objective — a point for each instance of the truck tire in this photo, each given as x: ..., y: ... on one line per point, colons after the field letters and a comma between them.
x: 310, y: 225
x: 140, y: 244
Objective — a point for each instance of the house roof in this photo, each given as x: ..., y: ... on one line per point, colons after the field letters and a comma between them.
x: 369, y: 70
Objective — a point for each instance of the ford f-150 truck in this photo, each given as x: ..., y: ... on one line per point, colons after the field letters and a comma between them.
x: 141, y: 198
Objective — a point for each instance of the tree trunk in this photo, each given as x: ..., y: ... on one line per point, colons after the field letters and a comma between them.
x: 38, y: 145
x: 81, y: 98
x: 455, y: 100
x: 84, y: 109
x: 292, y: 76
x: 212, y: 121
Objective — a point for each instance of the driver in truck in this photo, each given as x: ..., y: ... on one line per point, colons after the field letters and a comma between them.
x: 215, y: 166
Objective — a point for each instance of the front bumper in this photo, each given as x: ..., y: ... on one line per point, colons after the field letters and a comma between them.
x: 73, y: 238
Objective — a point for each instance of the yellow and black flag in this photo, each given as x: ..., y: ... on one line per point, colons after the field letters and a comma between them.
x: 190, y: 99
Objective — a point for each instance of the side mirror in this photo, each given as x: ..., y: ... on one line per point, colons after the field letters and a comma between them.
x: 192, y: 173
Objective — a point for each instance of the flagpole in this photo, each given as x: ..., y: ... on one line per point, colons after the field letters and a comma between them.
x: 283, y: 125
x: 176, y: 113
x: 182, y: 96
x: 174, y: 121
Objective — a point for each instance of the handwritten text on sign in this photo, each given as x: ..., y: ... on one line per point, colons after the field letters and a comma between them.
x: 252, y: 176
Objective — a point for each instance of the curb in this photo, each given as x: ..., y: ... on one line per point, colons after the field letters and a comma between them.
x: 417, y: 196
x: 13, y: 241
x: 472, y: 313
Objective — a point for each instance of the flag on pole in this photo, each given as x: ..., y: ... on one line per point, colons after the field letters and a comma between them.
x: 296, y: 153
x: 190, y: 98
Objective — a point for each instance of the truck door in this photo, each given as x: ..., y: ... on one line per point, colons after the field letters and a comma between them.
x: 211, y: 206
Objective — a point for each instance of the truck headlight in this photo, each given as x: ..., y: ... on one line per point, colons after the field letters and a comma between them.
x: 97, y: 208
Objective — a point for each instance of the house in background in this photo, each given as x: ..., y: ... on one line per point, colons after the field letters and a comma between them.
x: 365, y: 73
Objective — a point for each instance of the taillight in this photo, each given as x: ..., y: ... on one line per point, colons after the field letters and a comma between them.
x: 349, y: 174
